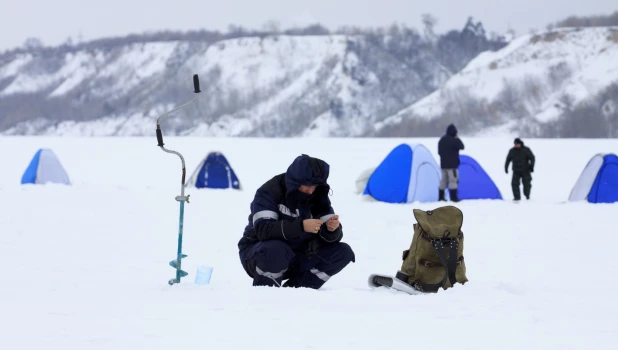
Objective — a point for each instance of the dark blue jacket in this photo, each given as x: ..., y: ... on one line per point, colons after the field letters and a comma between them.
x: 449, y: 147
x: 278, y: 208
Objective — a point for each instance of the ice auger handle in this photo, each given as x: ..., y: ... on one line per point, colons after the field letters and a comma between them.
x: 196, y: 83
x: 159, y: 137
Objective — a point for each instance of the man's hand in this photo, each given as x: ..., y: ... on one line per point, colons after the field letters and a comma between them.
x: 312, y: 225
x: 333, y: 223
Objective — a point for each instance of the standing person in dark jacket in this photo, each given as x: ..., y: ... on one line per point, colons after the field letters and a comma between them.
x: 293, y: 231
x: 448, y: 149
x: 523, y: 164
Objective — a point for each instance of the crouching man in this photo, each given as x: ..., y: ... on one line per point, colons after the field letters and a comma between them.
x: 293, y: 232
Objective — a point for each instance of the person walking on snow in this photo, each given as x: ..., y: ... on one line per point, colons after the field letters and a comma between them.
x: 448, y: 149
x: 293, y: 232
x: 523, y: 164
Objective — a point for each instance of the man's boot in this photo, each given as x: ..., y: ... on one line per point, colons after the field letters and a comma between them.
x: 441, y: 195
x: 453, y: 194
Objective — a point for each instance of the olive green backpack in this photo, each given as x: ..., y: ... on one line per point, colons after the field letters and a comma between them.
x: 435, y: 258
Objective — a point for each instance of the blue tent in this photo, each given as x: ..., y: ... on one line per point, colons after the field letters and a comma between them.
x: 474, y: 183
x: 45, y: 168
x: 598, y: 183
x: 214, y: 171
x: 409, y: 173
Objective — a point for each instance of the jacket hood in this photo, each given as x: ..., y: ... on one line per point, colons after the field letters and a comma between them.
x: 451, y: 130
x: 519, y: 141
x: 306, y: 170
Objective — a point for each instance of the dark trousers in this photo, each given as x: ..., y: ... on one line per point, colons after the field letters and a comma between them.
x: 524, y: 177
x: 271, y: 262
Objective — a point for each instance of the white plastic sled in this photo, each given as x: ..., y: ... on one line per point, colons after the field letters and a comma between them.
x: 386, y: 281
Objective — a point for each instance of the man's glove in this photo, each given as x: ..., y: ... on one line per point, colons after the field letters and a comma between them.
x: 506, y: 170
x: 531, y: 168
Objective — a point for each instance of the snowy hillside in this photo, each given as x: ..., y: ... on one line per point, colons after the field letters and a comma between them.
x: 272, y: 86
x: 532, y: 83
x: 253, y: 84
x: 85, y: 266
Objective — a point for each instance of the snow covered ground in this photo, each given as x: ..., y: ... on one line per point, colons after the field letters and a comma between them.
x: 85, y: 266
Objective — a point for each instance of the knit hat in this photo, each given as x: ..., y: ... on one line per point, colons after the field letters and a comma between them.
x: 518, y: 141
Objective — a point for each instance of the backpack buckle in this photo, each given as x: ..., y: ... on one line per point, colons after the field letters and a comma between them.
x: 441, y: 242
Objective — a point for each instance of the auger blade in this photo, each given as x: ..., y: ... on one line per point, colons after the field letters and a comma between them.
x: 174, y: 264
x: 181, y: 273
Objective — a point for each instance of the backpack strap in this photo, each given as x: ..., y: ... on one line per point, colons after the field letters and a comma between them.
x: 453, y: 260
x: 450, y: 264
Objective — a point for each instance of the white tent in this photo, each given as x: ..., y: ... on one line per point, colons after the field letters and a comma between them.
x: 409, y: 173
x: 598, y: 182
x: 45, y: 168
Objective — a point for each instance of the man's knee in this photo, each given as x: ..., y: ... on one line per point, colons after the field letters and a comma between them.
x: 443, y: 184
x: 274, y: 255
x: 450, y: 178
x: 339, y: 256
x: 346, y: 253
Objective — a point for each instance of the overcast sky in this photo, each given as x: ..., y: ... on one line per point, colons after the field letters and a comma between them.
x: 53, y: 21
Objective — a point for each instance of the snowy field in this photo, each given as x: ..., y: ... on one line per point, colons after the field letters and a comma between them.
x: 86, y: 266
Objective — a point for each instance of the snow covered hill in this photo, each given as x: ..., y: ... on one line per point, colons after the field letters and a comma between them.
x: 559, y: 83
x: 253, y: 84
x: 271, y: 86
x: 529, y: 86
x: 86, y: 266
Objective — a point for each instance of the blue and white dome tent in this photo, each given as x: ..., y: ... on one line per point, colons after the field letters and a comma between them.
x: 409, y: 173
x: 214, y: 171
x: 598, y: 182
x: 45, y: 168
